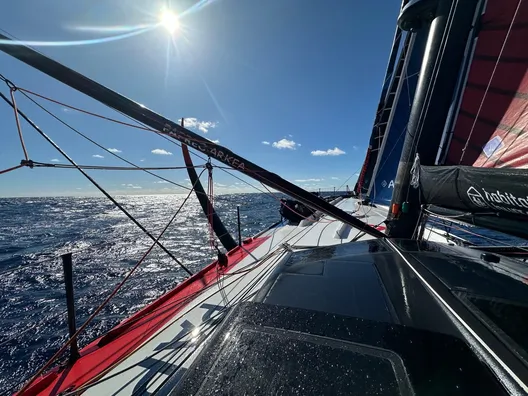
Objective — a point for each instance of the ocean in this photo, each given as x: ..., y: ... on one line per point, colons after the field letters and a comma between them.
x: 34, y: 232
x: 105, y: 244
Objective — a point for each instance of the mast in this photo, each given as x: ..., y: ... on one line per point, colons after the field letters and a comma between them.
x: 450, y: 23
x: 165, y: 126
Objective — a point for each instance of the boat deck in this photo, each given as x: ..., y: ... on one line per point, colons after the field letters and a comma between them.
x: 159, y: 342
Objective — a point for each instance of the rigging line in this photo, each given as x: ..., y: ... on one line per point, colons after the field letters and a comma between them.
x: 117, y: 204
x: 243, y: 293
x: 107, y: 300
x: 480, y: 236
x: 99, y: 145
x: 459, y: 215
x: 138, y: 126
x: 32, y: 327
x: 12, y: 90
x: 37, y: 164
x: 11, y: 169
x: 284, y: 204
x: 24, y: 266
x: 489, y: 82
x: 163, y: 309
x: 245, y: 270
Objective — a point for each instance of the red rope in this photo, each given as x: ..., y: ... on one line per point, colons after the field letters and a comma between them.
x: 15, y: 109
x: 103, y: 304
x: 10, y: 169
x: 210, y: 208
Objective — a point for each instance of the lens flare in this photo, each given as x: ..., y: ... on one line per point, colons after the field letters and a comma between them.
x: 169, y: 20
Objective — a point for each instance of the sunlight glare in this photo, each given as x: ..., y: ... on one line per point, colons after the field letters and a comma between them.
x: 169, y: 20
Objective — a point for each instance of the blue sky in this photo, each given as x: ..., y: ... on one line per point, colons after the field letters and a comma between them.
x: 302, y: 75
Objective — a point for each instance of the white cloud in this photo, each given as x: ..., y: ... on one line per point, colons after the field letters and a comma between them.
x: 161, y: 182
x: 161, y: 152
x: 285, y: 144
x: 142, y: 160
x: 204, y: 126
x: 355, y: 147
x: 216, y: 141
x: 334, y: 178
x: 131, y: 186
x: 334, y: 151
x: 55, y: 160
x: 308, y: 180
x: 219, y: 185
x: 67, y: 110
x: 265, y: 142
x: 114, y: 150
x: 97, y: 156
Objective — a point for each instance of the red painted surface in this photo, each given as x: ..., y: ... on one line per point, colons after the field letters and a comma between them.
x: 130, y: 334
x: 496, y: 93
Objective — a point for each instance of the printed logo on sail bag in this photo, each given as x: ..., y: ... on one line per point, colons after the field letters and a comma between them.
x: 498, y: 200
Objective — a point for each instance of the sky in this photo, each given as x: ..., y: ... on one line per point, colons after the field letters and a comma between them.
x: 291, y: 85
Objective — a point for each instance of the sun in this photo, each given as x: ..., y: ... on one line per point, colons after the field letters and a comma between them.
x: 169, y: 20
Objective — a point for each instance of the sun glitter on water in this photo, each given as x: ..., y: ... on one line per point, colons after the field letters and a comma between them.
x: 169, y: 20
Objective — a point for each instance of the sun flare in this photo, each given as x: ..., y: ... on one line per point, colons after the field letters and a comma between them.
x: 169, y: 20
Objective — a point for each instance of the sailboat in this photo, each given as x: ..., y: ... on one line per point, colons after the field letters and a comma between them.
x: 345, y: 300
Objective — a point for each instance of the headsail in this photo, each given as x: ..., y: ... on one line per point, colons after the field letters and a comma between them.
x: 490, y: 130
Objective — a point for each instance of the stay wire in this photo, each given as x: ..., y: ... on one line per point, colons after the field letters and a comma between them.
x: 37, y: 164
x: 107, y: 300
x: 99, y: 145
x: 117, y: 204
x: 11, y: 169
x: 138, y: 126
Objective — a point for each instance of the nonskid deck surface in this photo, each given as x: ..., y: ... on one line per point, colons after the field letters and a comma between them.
x: 141, y: 353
